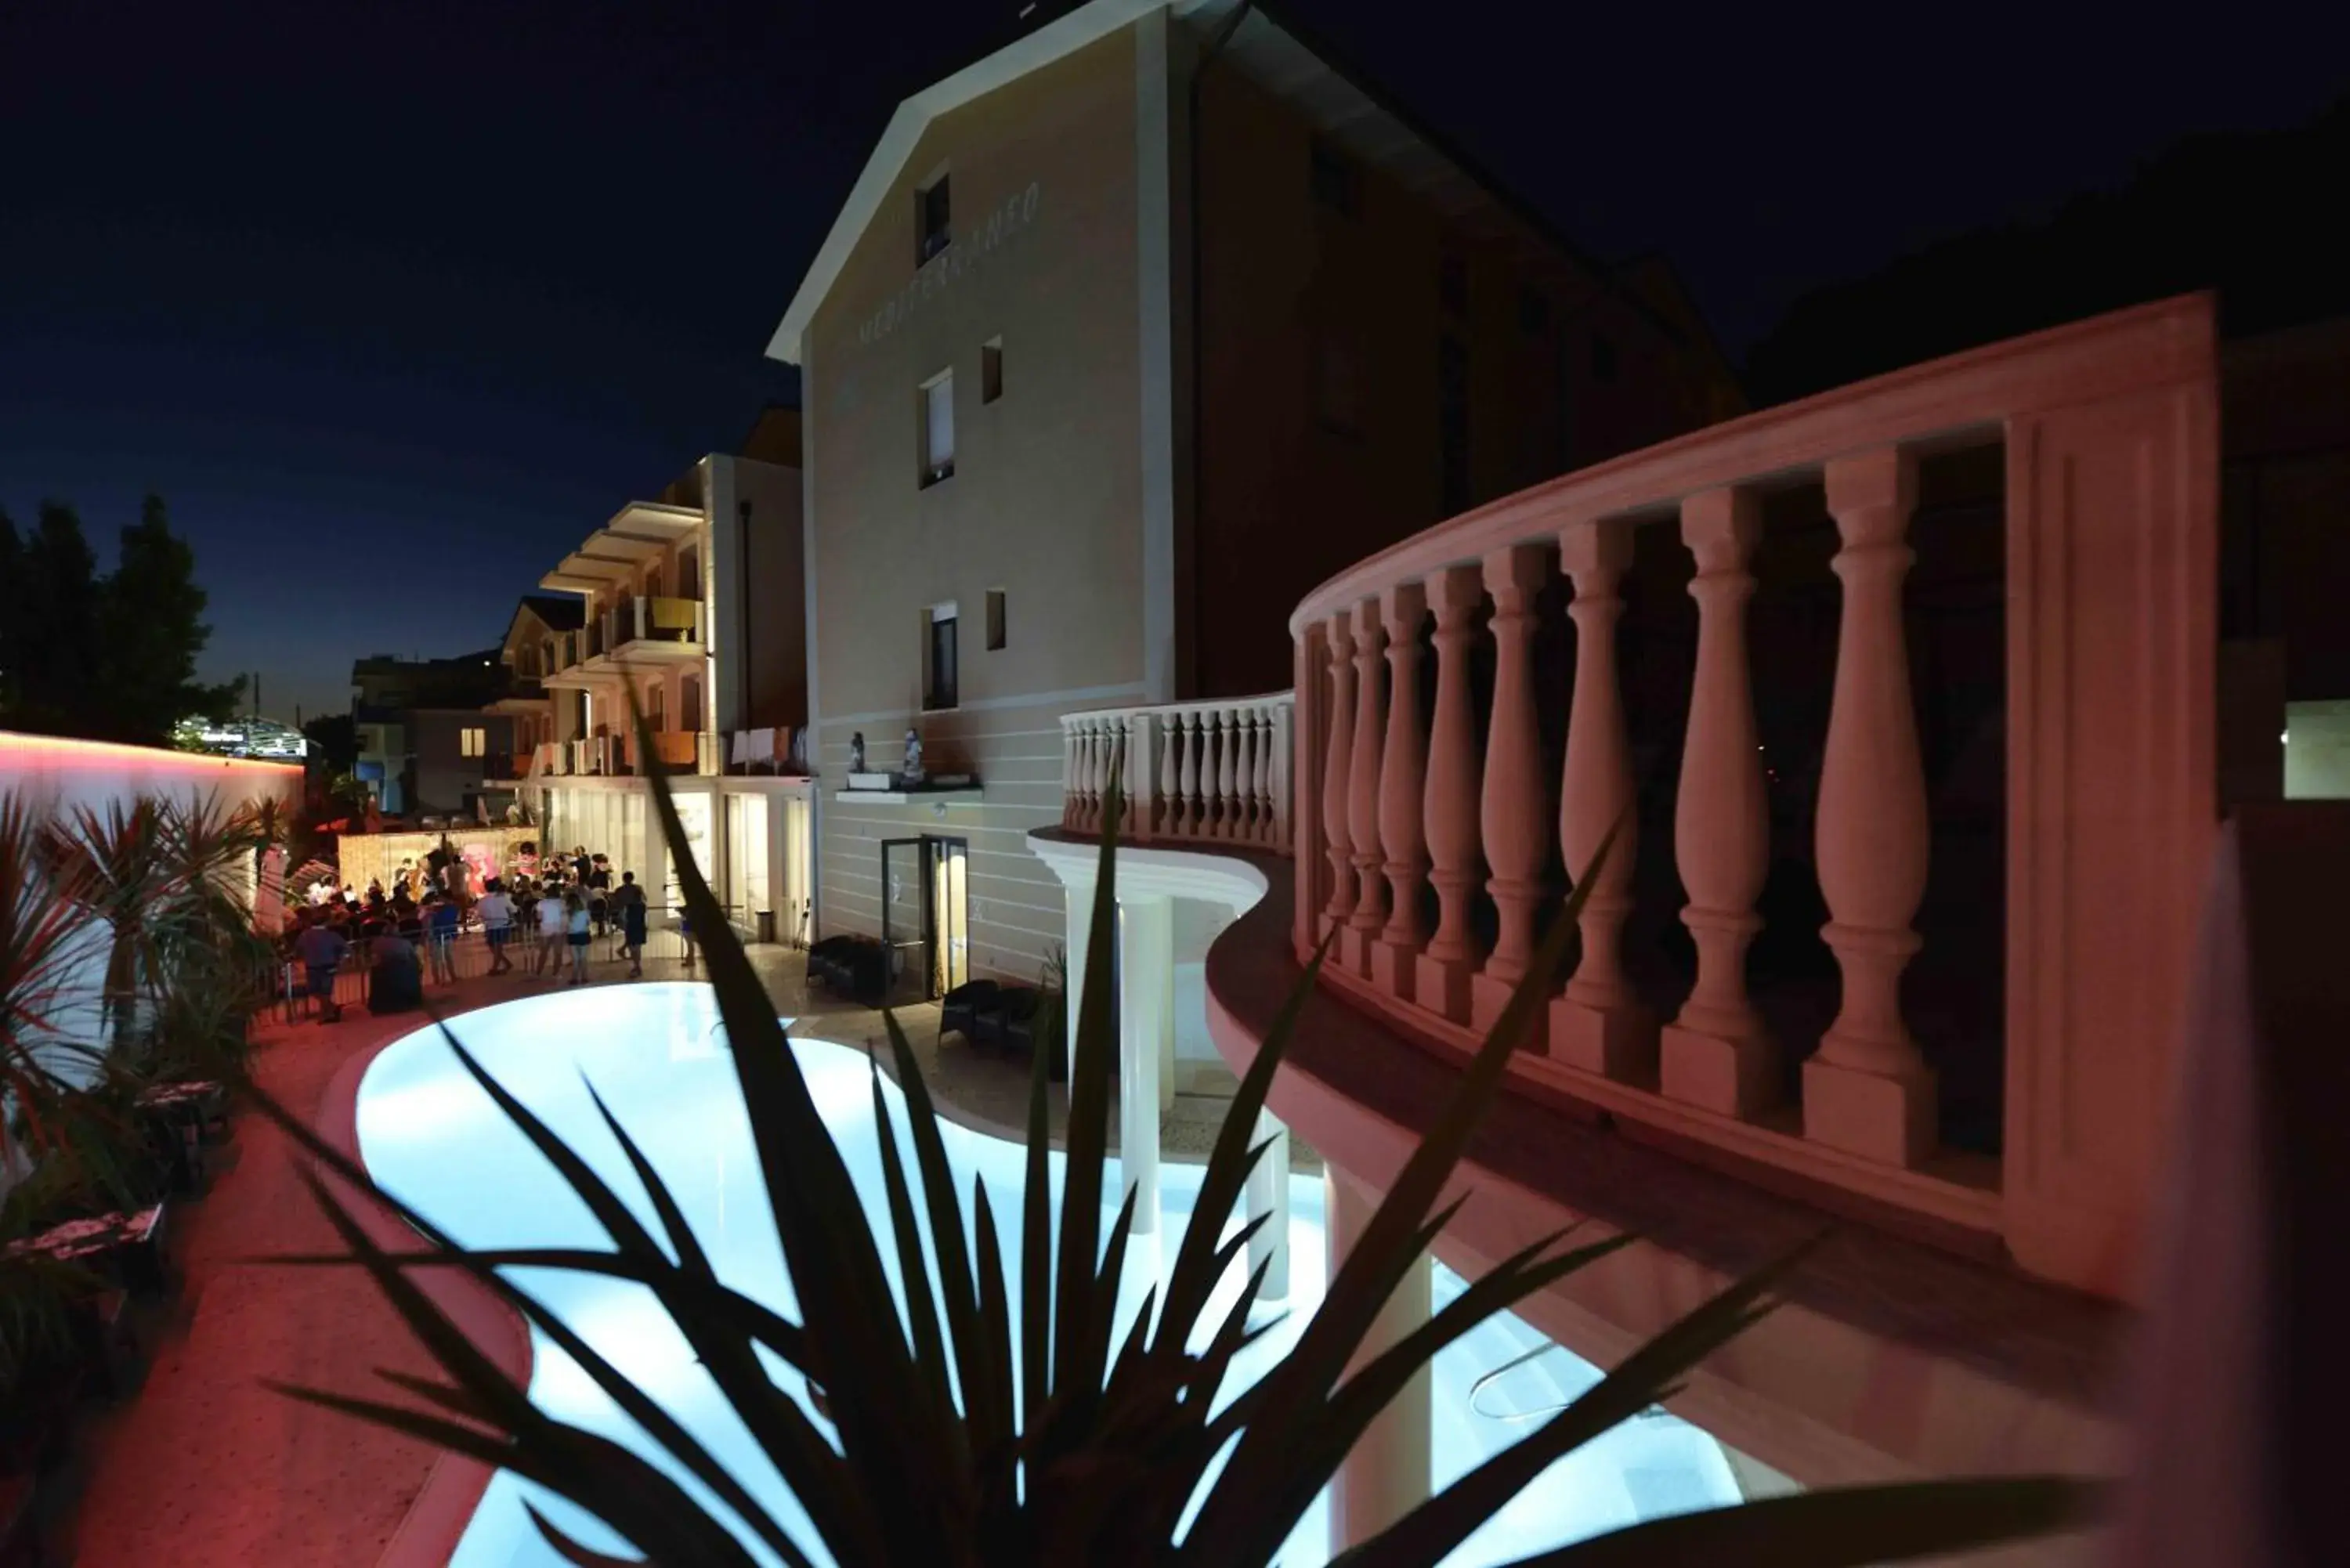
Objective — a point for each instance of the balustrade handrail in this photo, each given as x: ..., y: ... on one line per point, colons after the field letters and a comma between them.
x: 1212, y: 770
x: 2109, y: 431
x: 2161, y: 344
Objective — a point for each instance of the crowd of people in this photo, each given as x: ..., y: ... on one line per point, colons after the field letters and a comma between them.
x: 542, y: 919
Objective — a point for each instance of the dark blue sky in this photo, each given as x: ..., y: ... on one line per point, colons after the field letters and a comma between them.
x: 396, y: 303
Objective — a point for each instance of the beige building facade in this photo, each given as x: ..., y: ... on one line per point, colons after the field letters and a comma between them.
x: 688, y: 608
x: 1067, y: 448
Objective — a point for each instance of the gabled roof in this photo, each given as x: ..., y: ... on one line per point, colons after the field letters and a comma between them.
x: 1265, y: 44
x: 561, y: 612
x: 1062, y: 37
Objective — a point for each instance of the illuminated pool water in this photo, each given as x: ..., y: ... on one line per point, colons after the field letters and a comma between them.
x: 656, y: 1053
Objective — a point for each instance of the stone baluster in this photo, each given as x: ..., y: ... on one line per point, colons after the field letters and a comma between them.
x: 1251, y: 817
x: 1364, y: 926
x: 1091, y: 730
x: 1203, y: 796
x: 1278, y: 780
x: 1337, y: 756
x: 1229, y: 774
x: 1868, y: 1090
x: 1070, y: 783
x: 1513, y: 806
x: 1403, y: 774
x: 1120, y: 761
x: 1716, y: 1054
x: 1449, y: 800
x: 1187, y: 788
x: 1171, y: 775
x: 1599, y: 1024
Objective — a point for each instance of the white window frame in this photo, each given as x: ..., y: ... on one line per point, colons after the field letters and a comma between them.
x: 933, y: 468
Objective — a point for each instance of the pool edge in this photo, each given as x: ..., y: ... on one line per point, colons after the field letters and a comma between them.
x: 428, y: 1533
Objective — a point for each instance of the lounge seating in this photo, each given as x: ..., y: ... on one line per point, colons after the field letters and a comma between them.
x: 851, y: 966
x: 966, y: 1009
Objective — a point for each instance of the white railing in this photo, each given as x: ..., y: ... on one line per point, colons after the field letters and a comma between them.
x: 2110, y: 450
x: 1214, y: 772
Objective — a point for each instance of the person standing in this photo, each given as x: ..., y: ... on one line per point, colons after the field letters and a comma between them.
x: 575, y: 933
x: 599, y: 894
x: 321, y: 948
x: 440, y: 928
x: 551, y: 925
x: 497, y: 912
x: 628, y: 902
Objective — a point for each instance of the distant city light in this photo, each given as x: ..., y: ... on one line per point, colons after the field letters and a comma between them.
x: 264, y: 738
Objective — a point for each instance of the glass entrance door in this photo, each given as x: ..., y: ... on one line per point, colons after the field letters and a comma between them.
x: 904, y: 918
x: 925, y: 922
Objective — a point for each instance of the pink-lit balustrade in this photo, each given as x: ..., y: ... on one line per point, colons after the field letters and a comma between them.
x: 1447, y: 774
x: 1208, y: 771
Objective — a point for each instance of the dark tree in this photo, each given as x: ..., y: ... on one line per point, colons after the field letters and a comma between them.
x: 151, y: 628
x: 12, y: 569
x: 49, y: 599
x: 111, y: 657
x: 336, y: 738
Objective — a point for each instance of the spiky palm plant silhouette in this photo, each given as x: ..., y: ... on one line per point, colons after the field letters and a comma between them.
x: 952, y: 1427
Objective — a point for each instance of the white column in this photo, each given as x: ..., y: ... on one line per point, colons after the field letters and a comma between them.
x: 1268, y: 1194
x: 1716, y: 1053
x: 1599, y: 1024
x: 1867, y: 1090
x: 1146, y: 1018
x: 1386, y: 1475
x: 1080, y: 895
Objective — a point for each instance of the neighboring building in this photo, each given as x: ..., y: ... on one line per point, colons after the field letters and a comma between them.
x: 426, y: 746
x: 690, y: 604
x: 1140, y: 326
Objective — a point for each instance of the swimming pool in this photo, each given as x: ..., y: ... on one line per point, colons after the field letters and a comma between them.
x: 655, y: 1052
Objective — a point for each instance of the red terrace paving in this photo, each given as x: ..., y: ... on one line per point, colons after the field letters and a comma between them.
x: 208, y: 1467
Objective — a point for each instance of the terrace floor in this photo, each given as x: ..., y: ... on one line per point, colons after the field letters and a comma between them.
x: 207, y: 1468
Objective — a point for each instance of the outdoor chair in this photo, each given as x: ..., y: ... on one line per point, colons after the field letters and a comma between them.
x: 965, y: 1010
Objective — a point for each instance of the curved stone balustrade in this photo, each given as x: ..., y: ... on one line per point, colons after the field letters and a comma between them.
x: 1398, y: 810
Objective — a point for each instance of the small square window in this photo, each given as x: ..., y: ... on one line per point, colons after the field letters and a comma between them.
x: 994, y: 619
x: 1332, y: 178
x: 472, y: 743
x: 937, y: 415
x: 990, y: 369
x: 934, y: 227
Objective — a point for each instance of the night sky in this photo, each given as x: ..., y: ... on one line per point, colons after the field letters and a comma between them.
x: 394, y: 304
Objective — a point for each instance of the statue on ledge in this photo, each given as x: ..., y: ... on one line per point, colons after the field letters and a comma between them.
x: 856, y: 752
x: 913, y: 769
